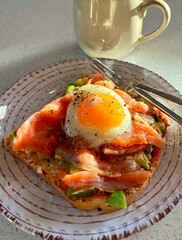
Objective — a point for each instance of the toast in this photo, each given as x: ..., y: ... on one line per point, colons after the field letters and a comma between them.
x: 53, y: 117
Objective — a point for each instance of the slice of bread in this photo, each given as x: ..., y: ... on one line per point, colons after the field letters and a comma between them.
x: 51, y: 172
x: 95, y: 201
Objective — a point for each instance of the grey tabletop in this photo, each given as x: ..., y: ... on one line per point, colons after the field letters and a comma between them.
x: 37, y: 33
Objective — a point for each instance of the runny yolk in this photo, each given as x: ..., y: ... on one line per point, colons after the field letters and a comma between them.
x: 100, y: 111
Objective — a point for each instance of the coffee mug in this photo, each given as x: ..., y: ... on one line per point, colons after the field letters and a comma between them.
x: 112, y: 28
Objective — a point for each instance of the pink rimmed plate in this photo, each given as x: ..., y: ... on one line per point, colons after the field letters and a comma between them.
x: 34, y: 206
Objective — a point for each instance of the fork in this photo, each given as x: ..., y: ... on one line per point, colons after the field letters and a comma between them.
x: 140, y: 89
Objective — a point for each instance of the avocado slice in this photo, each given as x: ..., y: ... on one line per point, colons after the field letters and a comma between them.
x: 159, y: 126
x: 142, y: 160
x: 72, y: 168
x: 69, y: 89
x: 117, y: 199
x: 79, y: 194
x: 80, y: 82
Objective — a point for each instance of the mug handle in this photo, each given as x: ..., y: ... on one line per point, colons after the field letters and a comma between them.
x: 163, y: 6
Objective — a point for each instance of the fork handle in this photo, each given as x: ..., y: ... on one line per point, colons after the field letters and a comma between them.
x: 162, y: 94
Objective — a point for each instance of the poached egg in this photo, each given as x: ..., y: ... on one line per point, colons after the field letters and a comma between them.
x: 97, y: 114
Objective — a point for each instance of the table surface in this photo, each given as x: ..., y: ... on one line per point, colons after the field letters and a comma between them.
x: 37, y: 33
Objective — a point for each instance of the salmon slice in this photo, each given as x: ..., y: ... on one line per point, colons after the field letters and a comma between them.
x: 106, y: 83
x: 87, y: 160
x: 108, y: 149
x: 125, y: 96
x: 141, y: 133
x: 41, y: 131
x: 133, y: 105
x: 95, y: 77
x: 84, y: 180
x: 140, y: 107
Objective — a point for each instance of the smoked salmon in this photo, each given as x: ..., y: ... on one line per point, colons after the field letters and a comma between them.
x: 41, y: 131
x: 133, y: 105
x: 109, y: 166
x: 86, y: 180
x: 87, y: 160
x: 141, y: 133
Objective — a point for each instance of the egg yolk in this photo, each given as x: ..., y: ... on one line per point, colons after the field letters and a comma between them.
x: 100, y: 111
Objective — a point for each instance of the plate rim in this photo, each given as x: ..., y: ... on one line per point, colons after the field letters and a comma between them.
x: 175, y: 201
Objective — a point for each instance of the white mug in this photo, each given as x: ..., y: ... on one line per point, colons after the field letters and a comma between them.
x: 112, y: 28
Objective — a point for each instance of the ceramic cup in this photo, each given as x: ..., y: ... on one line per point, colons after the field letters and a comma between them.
x: 112, y: 28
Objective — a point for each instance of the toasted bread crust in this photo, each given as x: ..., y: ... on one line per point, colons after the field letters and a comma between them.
x: 94, y: 201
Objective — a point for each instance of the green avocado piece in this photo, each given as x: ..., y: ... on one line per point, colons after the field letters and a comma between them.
x: 53, y: 163
x: 142, y: 160
x: 14, y: 133
x: 69, y: 166
x: 117, y: 199
x: 159, y: 126
x: 79, y: 194
x: 69, y: 89
x: 58, y: 156
x: 73, y: 168
x: 80, y: 82
x: 148, y: 149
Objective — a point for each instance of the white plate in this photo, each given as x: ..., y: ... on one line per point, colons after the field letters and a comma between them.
x: 34, y: 206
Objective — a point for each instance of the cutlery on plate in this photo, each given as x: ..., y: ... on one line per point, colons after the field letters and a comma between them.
x: 141, y: 89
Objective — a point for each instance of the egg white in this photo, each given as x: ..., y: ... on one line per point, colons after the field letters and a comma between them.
x: 94, y: 137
